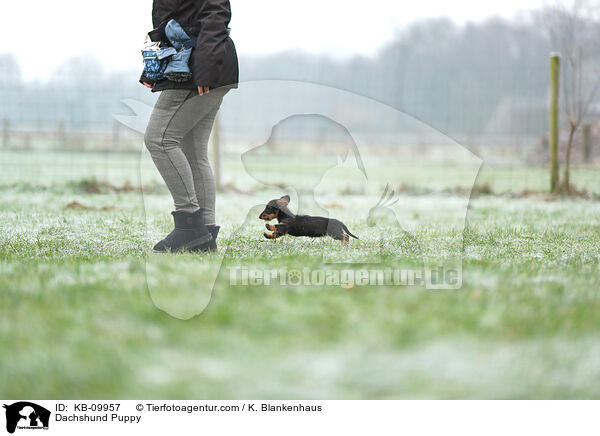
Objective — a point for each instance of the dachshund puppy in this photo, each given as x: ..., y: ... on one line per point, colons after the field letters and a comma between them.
x: 301, y: 225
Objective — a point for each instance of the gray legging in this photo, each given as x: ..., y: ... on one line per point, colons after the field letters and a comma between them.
x: 177, y: 139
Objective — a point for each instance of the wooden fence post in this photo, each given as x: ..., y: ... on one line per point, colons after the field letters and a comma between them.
x: 587, y: 143
x: 61, y: 135
x: 554, y: 119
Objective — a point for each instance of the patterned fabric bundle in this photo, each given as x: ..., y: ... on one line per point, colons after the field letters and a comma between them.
x: 172, y: 61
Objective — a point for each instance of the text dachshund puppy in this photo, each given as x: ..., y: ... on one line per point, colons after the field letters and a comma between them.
x: 301, y: 225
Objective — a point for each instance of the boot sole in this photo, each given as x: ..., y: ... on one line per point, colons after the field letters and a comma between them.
x: 190, y: 246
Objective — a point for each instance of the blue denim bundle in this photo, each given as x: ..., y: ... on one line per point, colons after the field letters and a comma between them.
x: 178, y: 69
x: 171, y: 62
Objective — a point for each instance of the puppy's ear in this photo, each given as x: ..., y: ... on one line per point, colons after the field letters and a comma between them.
x: 284, y: 201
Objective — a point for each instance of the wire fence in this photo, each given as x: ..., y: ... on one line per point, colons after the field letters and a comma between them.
x: 483, y: 86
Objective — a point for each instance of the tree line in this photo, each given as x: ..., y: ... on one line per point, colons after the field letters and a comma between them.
x: 486, y: 77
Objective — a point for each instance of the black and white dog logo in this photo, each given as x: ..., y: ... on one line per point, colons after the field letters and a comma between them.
x: 25, y: 415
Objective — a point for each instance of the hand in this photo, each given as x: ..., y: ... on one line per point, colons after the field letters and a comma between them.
x: 147, y: 85
x: 203, y: 90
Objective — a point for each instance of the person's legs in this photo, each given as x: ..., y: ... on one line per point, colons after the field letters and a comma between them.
x: 175, y: 114
x: 195, y: 148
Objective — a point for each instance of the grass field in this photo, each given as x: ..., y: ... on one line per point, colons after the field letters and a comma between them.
x: 79, y: 290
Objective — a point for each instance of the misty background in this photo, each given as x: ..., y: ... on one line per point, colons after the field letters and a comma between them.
x: 483, y: 83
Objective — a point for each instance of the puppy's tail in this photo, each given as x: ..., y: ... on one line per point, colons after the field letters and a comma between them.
x: 348, y: 231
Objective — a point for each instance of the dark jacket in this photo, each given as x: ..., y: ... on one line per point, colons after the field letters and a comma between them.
x: 214, y: 61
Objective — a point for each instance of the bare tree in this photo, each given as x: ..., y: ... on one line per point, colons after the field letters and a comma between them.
x: 574, y: 29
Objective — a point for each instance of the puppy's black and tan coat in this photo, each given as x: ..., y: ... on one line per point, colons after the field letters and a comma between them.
x: 301, y: 225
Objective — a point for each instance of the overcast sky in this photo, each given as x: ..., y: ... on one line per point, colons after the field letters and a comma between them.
x: 44, y: 33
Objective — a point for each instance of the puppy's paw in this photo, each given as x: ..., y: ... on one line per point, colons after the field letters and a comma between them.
x: 270, y: 227
x: 268, y: 235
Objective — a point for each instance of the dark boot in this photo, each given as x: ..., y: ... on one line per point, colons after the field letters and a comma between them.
x: 189, y: 234
x: 214, y: 231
